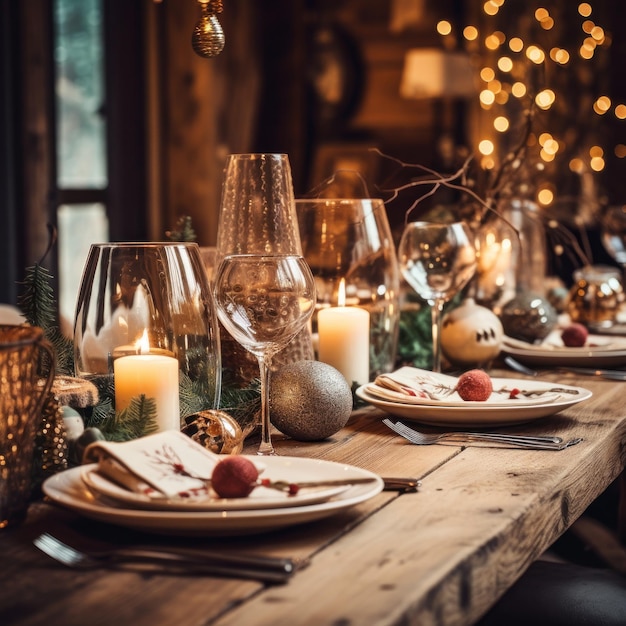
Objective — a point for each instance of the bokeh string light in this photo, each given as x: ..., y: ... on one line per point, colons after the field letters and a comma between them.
x: 547, y: 64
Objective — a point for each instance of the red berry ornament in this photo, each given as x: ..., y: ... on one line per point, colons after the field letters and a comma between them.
x: 234, y: 477
x: 474, y: 385
x: 575, y: 335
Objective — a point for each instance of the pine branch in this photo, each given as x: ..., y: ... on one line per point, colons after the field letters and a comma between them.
x: 183, y: 230
x: 38, y: 304
x: 241, y: 403
x: 138, y: 420
x: 37, y: 300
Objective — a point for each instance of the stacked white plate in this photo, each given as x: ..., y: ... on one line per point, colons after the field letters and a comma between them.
x: 435, y: 403
x: 598, y: 351
x: 87, y: 492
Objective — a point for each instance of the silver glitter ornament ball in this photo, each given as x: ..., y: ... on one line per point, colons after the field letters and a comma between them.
x: 309, y: 400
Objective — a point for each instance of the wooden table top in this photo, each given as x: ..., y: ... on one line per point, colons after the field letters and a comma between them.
x: 443, y: 555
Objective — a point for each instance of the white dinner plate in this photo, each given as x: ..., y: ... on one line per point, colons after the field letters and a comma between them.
x: 481, y: 414
x: 599, y: 351
x: 260, y: 498
x: 436, y: 389
x: 68, y: 489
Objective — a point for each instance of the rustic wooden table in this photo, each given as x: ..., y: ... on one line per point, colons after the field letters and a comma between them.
x: 442, y: 556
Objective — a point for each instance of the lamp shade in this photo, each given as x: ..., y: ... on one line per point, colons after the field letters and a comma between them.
x: 434, y: 73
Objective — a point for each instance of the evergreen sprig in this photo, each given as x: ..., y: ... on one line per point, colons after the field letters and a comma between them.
x: 243, y: 404
x: 38, y: 306
x: 183, y: 230
x: 138, y: 420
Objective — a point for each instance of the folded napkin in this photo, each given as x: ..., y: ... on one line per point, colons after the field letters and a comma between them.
x: 167, y: 464
x: 417, y: 385
x: 411, y: 385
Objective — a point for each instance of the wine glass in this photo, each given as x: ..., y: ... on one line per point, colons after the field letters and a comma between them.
x: 437, y: 260
x: 264, y: 301
x: 613, y: 234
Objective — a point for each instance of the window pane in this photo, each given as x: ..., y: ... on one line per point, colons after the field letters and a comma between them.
x: 79, y: 94
x: 79, y: 225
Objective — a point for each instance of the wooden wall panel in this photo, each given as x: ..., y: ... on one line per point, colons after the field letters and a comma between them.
x: 37, y: 182
x: 190, y: 167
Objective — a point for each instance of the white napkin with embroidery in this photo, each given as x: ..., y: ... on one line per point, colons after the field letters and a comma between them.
x: 411, y: 385
x: 167, y: 464
x: 415, y: 386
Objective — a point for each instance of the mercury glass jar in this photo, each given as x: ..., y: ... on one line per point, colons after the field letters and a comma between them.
x: 596, y: 296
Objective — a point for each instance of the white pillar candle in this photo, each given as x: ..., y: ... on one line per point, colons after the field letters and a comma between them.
x: 153, y: 375
x: 344, y: 339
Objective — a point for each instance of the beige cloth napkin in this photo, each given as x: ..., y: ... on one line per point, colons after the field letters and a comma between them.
x: 166, y: 464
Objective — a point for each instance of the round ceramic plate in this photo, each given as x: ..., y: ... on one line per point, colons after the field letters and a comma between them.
x: 479, y: 414
x: 68, y: 489
x: 599, y: 351
x: 260, y: 498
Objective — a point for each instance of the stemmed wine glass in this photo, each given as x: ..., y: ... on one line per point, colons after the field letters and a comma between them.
x: 264, y: 289
x: 613, y: 233
x: 437, y: 260
x: 264, y: 301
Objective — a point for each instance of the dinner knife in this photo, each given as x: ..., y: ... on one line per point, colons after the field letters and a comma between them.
x: 390, y: 483
x: 591, y: 371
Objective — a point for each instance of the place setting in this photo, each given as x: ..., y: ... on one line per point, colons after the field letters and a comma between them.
x: 437, y: 399
x: 589, y: 349
x: 142, y: 484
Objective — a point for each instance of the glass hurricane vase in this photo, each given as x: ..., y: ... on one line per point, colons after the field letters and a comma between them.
x: 348, y: 243
x: 146, y: 322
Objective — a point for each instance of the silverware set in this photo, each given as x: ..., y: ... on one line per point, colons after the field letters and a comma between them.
x: 530, y: 442
x: 188, y: 562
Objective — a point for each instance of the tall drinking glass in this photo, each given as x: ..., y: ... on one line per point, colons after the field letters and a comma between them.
x: 258, y: 231
x: 437, y: 261
x: 258, y: 216
x: 257, y: 210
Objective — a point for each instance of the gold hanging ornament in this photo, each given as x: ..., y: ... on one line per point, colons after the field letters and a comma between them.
x: 208, y: 36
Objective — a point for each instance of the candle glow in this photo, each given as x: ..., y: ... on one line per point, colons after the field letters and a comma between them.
x: 152, y: 375
x: 344, y: 338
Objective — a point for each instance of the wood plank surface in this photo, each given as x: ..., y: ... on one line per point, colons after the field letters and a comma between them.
x: 444, y: 555
x: 440, y: 556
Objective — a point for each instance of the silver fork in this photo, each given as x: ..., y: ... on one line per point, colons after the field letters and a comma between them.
x: 518, y: 441
x: 261, y: 568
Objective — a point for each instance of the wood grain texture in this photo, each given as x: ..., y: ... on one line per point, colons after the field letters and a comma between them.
x: 441, y: 556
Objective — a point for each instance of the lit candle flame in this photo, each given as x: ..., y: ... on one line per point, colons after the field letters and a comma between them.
x: 341, y: 293
x: 143, y: 345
